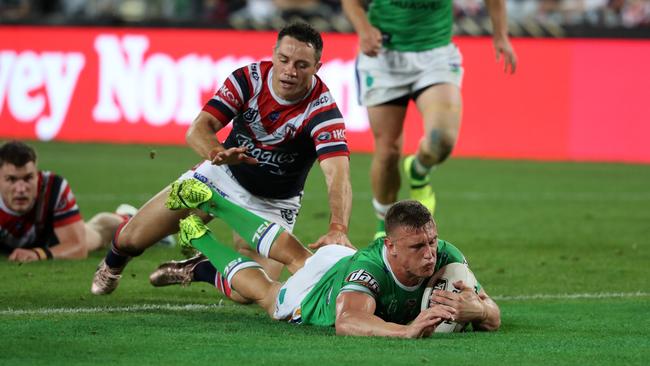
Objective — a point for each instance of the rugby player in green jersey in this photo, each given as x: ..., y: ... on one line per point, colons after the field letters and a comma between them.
x: 371, y: 292
x: 406, y: 53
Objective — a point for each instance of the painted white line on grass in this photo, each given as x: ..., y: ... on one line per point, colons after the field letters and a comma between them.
x: 203, y: 307
x: 120, y: 309
x: 598, y: 295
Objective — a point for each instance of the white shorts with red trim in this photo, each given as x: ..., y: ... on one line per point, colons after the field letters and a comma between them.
x: 220, y: 178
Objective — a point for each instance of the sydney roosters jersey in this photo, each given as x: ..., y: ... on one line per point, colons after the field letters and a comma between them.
x: 55, y: 206
x: 285, y: 137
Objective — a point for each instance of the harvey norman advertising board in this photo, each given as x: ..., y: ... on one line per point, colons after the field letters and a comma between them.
x: 146, y: 85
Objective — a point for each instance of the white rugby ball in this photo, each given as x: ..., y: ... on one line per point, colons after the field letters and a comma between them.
x: 443, y: 280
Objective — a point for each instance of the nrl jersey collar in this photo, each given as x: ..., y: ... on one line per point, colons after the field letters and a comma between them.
x: 281, y: 101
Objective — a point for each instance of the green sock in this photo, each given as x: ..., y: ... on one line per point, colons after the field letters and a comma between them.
x: 225, y: 259
x: 220, y: 255
x: 257, y: 232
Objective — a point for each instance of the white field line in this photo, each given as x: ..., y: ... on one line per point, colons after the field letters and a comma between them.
x: 119, y: 309
x: 598, y: 295
x: 203, y: 307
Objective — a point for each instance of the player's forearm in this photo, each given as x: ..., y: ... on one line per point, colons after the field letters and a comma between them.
x: 491, y: 318
x: 201, y: 136
x: 69, y: 250
x: 367, y: 325
x: 499, y: 17
x: 356, y: 14
x: 340, y: 195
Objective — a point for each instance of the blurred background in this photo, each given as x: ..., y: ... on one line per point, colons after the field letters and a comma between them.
x: 531, y: 18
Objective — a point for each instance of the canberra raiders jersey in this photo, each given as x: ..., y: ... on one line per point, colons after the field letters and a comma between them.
x: 285, y: 137
x: 55, y: 206
x: 412, y: 25
x: 368, y: 271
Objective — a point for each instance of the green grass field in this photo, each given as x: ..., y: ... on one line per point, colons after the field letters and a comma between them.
x: 562, y: 247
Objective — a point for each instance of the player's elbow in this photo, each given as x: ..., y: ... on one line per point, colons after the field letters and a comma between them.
x: 344, y: 325
x: 189, y: 134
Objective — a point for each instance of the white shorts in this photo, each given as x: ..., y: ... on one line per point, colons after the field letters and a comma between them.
x: 291, y: 294
x: 394, y: 74
x: 220, y: 178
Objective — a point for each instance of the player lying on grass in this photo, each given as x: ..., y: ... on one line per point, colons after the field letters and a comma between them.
x: 39, y: 216
x: 371, y: 292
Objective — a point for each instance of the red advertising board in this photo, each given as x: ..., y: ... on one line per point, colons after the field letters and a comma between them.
x: 569, y: 100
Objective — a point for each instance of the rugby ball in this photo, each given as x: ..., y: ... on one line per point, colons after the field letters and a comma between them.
x: 443, y: 280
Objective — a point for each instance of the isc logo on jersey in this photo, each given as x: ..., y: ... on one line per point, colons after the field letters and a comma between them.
x: 364, y: 278
x: 322, y: 100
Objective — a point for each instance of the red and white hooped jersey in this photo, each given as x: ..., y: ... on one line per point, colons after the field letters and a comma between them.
x: 55, y: 206
x: 285, y: 137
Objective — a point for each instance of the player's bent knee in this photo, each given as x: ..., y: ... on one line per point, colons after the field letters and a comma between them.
x: 132, y: 239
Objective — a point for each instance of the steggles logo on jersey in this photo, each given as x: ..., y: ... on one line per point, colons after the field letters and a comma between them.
x: 274, y: 116
x: 265, y: 157
x: 364, y: 278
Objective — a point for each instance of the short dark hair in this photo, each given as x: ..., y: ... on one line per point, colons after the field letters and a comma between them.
x: 408, y: 213
x: 16, y: 153
x: 304, y: 33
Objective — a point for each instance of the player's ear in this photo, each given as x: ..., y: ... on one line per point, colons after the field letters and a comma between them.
x: 389, y: 244
x: 318, y: 65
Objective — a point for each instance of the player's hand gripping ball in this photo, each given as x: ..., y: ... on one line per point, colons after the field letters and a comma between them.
x: 444, y: 280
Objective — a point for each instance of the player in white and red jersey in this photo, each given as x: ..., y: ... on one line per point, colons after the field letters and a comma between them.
x: 283, y: 119
x: 39, y: 216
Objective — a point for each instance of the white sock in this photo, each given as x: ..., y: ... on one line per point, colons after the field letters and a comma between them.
x: 420, y: 168
x: 380, y: 208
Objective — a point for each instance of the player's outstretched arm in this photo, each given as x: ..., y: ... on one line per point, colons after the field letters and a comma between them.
x: 355, y: 316
x: 71, y: 246
x: 339, y: 190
